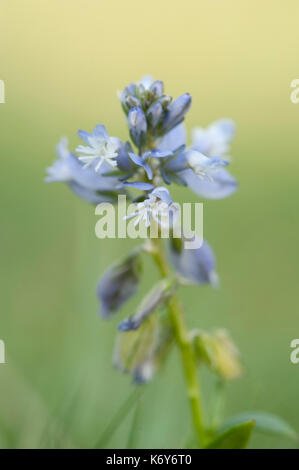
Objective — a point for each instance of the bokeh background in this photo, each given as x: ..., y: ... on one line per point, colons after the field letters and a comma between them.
x: 62, y: 62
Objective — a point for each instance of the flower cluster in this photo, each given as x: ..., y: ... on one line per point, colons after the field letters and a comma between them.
x: 157, y: 157
x: 106, y: 166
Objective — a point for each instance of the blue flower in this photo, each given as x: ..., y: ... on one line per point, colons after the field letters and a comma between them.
x: 157, y: 206
x: 85, y: 183
x: 100, y: 148
x: 213, y: 181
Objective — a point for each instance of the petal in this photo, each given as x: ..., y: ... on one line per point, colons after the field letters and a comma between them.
x: 90, y: 195
x: 90, y: 179
x: 176, y: 111
x: 123, y: 161
x: 84, y: 136
x: 173, y: 139
x: 197, y: 265
x: 136, y: 159
x: 146, y: 81
x: 222, y: 185
x: 138, y: 185
x: 137, y: 125
x: 162, y: 193
x: 100, y: 131
x: 214, y: 140
x: 161, y: 153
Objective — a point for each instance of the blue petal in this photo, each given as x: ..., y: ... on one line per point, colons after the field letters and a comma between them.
x: 90, y: 196
x: 173, y: 139
x: 84, y: 136
x: 141, y: 162
x: 90, y: 179
x: 136, y: 159
x: 197, y: 265
x: 101, y: 131
x: 163, y: 193
x: 161, y: 153
x: 176, y: 111
x: 137, y: 185
x: 223, y: 184
x: 227, y: 126
x: 123, y: 161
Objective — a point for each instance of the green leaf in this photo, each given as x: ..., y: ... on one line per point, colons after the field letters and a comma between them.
x: 264, y: 422
x: 236, y: 437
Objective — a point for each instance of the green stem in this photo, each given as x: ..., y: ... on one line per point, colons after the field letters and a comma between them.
x: 118, y: 418
x: 176, y: 315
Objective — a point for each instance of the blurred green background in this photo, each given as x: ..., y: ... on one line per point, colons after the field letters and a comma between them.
x: 62, y: 62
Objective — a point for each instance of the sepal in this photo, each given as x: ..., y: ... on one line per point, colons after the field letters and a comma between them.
x: 218, y: 352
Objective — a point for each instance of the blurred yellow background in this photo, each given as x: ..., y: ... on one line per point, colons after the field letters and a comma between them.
x: 62, y: 62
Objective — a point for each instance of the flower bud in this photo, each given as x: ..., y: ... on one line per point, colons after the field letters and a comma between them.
x: 157, y: 88
x: 132, y: 101
x: 155, y: 115
x: 219, y: 352
x: 137, y: 125
x: 176, y: 111
x: 158, y: 295
x: 165, y: 101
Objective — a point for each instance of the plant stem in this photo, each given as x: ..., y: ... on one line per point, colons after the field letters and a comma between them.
x: 118, y: 418
x: 176, y: 315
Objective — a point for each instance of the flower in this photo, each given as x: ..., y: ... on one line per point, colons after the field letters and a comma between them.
x: 157, y: 206
x: 100, y: 148
x: 85, y: 183
x: 222, y: 184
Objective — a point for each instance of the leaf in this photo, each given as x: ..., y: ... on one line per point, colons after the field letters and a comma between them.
x: 236, y: 437
x: 264, y: 422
